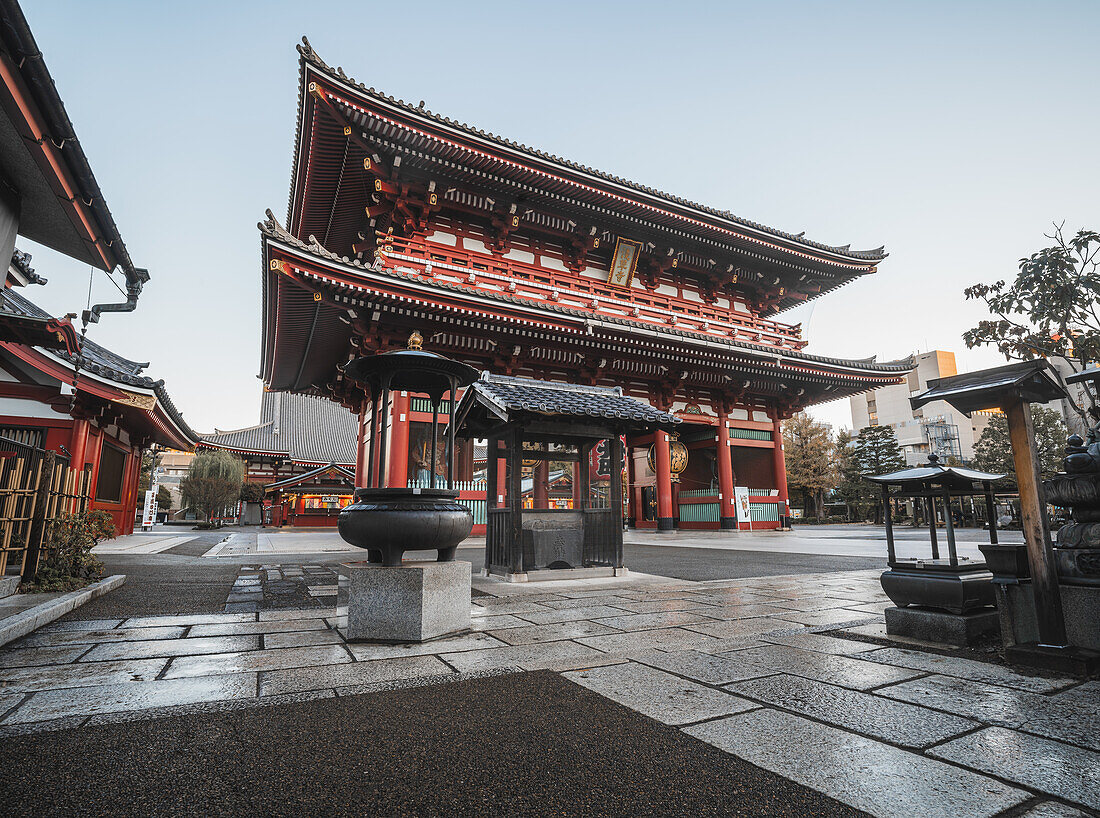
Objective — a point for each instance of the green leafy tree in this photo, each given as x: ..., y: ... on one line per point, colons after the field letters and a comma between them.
x: 993, y: 451
x: 164, y: 499
x: 809, y: 451
x: 1050, y: 310
x: 213, y: 482
x: 851, y: 489
x: 876, y: 451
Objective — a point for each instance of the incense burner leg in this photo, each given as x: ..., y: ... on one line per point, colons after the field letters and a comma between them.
x: 447, y: 554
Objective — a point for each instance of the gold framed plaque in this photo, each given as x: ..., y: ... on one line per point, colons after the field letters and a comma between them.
x: 624, y: 262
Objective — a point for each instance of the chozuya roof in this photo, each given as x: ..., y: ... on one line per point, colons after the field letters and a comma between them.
x: 100, y: 361
x: 299, y: 428
x: 541, y: 168
x: 506, y: 397
x: 933, y: 472
x: 789, y: 361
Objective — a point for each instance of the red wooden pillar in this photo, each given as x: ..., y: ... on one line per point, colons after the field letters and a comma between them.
x: 361, y: 448
x: 399, y: 442
x: 540, y: 490
x: 727, y: 514
x: 78, y: 443
x: 780, y: 465
x: 666, y: 518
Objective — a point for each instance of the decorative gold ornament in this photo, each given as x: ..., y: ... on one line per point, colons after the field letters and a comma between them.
x: 316, y: 296
x: 347, y: 130
x: 416, y: 341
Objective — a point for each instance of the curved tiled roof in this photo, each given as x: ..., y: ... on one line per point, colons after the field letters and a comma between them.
x: 100, y: 361
x: 509, y: 395
x: 301, y: 428
x: 310, y: 56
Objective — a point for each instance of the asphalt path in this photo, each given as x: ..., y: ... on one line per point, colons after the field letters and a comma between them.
x: 515, y: 745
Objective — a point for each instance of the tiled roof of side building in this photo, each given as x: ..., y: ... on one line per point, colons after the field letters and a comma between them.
x: 546, y: 398
x: 311, y: 56
x: 303, y: 428
x: 100, y: 361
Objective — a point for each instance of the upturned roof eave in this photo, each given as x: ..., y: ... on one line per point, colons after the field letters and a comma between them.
x: 610, y: 185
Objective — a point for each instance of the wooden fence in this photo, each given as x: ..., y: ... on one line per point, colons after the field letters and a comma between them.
x: 36, y: 485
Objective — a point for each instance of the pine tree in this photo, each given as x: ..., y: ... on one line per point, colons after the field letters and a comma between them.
x: 876, y: 451
x: 993, y: 451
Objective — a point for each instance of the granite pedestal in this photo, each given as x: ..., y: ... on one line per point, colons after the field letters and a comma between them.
x: 411, y: 602
x: 939, y: 626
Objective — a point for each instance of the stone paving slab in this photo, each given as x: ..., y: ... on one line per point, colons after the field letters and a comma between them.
x: 1052, y: 809
x: 79, y: 674
x: 187, y: 619
x: 1018, y: 709
x: 297, y: 639
x: 1085, y: 695
x: 885, y: 781
x: 492, y: 623
x: 666, y: 638
x: 28, y: 657
x: 658, y: 606
x: 295, y: 613
x: 816, y: 604
x: 1050, y: 767
x: 747, y: 611
x: 550, y: 633
x: 36, y: 640
x: 966, y: 669
x: 170, y: 647
x: 657, y: 694
x: 301, y: 679
x: 661, y: 619
x: 737, y: 628
x: 884, y: 719
x: 839, y: 670
x: 8, y: 701
x: 528, y: 657
x: 548, y: 616
x: 700, y: 667
x: 90, y: 701
x: 81, y: 625
x: 242, y: 628
x: 819, y: 643
x: 510, y: 606
x: 832, y: 617
x: 252, y: 660
x: 471, y: 641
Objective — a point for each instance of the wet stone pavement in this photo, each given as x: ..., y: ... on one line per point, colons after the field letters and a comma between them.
x: 760, y: 668
x: 273, y: 587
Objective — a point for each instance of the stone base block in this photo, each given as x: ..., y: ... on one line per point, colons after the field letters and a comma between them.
x: 938, y: 626
x: 8, y: 586
x: 411, y: 602
x: 1080, y: 610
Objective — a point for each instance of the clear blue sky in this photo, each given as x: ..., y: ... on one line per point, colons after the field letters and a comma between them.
x: 952, y: 132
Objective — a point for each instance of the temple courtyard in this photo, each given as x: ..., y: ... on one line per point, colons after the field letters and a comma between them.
x: 746, y: 675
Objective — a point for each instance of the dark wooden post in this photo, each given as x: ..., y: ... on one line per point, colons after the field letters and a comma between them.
x: 991, y: 512
x: 888, y: 516
x: 585, y: 450
x: 491, y: 474
x: 515, y: 501
x: 1040, y: 555
x: 617, y: 498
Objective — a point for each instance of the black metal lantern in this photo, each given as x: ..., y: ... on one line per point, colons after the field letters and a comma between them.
x: 389, y: 521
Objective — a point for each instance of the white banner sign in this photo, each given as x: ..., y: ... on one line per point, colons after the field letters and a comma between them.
x: 744, y: 508
x: 149, y: 515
